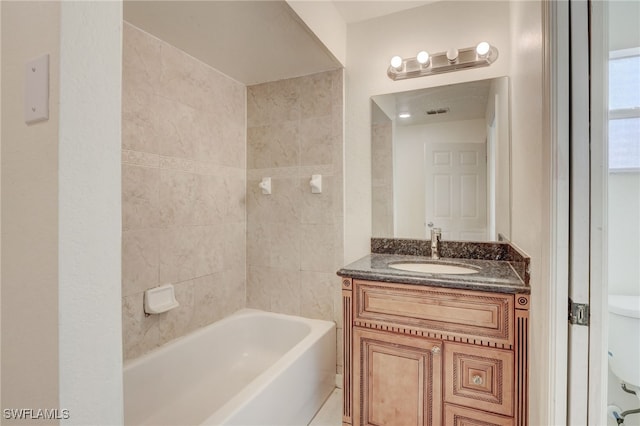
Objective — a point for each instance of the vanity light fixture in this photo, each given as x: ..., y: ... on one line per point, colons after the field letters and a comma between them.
x: 482, y: 49
x: 423, y: 58
x: 452, y: 55
x: 396, y: 63
x: 481, y: 55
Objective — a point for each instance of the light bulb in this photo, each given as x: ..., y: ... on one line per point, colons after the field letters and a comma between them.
x: 396, y: 62
x: 452, y: 54
x: 404, y: 115
x: 483, y: 48
x: 422, y: 57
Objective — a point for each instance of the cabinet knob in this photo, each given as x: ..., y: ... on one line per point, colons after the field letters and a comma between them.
x: 435, y: 350
x: 477, y: 380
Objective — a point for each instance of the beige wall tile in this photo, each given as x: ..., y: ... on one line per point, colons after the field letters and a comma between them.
x: 317, y: 248
x: 258, y: 287
x: 232, y: 197
x: 234, y: 250
x: 318, y: 209
x: 285, y: 248
x: 208, y: 206
x: 190, y: 252
x: 140, y: 197
x: 140, y: 260
x: 272, y: 102
x: 258, y: 243
x: 337, y: 302
x: 235, y: 291
x: 139, y: 131
x: 184, y: 214
x: 294, y: 237
x: 284, y: 201
x: 285, y: 297
x: 177, y: 198
x: 340, y: 347
x: 317, y: 295
x: 208, y: 292
x: 178, y: 321
x: 175, y: 127
x: 139, y: 333
x: 316, y: 95
x: 141, y: 65
x: 274, y: 145
x: 316, y: 140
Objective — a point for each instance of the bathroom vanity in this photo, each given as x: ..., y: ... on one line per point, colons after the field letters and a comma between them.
x: 444, y: 347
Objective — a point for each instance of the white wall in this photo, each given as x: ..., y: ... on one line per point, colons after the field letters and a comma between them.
x: 0, y: 206
x: 370, y: 45
x: 29, y: 213
x: 516, y: 29
x: 324, y: 20
x: 498, y: 105
x: 531, y: 189
x: 61, y: 332
x: 623, y: 208
x: 89, y: 248
x: 624, y: 233
x: 409, y: 167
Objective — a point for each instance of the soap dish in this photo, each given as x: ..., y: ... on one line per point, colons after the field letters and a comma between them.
x: 160, y: 299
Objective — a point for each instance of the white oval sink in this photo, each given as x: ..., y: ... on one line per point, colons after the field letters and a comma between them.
x: 433, y: 268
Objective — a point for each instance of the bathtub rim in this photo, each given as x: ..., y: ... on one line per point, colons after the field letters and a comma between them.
x: 317, y: 329
x: 315, y: 323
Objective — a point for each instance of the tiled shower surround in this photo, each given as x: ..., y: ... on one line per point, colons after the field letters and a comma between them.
x: 183, y: 190
x: 195, y: 145
x: 382, y: 175
x: 294, y: 237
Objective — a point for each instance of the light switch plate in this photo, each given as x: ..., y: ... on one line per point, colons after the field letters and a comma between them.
x: 36, y: 90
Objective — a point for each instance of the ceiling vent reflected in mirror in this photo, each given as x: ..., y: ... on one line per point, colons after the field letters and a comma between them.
x: 438, y: 111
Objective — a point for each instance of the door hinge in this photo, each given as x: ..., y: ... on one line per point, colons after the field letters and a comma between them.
x: 578, y: 313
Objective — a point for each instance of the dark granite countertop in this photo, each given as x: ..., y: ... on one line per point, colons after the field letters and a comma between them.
x: 496, y: 276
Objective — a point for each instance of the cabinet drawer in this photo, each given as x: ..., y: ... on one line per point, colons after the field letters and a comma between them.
x: 461, y: 416
x: 481, y: 378
x: 485, y: 318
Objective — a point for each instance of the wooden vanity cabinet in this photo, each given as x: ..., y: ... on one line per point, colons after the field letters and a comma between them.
x: 420, y: 355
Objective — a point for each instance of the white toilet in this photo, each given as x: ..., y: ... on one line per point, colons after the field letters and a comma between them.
x: 624, y: 339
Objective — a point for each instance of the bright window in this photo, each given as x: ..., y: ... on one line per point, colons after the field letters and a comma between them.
x: 624, y: 110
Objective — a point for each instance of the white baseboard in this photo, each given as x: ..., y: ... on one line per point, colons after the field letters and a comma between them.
x: 339, y: 381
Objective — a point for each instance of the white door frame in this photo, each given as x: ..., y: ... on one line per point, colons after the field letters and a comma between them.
x: 556, y: 88
x: 587, y: 345
x: 599, y: 174
x: 579, y: 233
x: 579, y: 397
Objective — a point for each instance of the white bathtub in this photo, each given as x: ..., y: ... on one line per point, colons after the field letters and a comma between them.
x: 252, y: 368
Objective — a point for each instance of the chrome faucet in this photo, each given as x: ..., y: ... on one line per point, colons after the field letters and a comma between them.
x: 436, y: 234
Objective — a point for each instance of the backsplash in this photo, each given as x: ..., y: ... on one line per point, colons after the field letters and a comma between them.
x: 183, y: 190
x: 294, y: 237
x: 504, y: 251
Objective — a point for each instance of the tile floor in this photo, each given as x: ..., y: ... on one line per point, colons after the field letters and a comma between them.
x: 331, y: 412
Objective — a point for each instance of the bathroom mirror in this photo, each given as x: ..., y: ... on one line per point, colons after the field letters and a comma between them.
x: 441, y: 159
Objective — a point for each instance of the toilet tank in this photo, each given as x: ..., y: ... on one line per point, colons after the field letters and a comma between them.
x: 624, y: 337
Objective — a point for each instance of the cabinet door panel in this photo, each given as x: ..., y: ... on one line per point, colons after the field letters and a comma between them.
x: 398, y: 379
x: 460, y: 416
x: 479, y: 377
